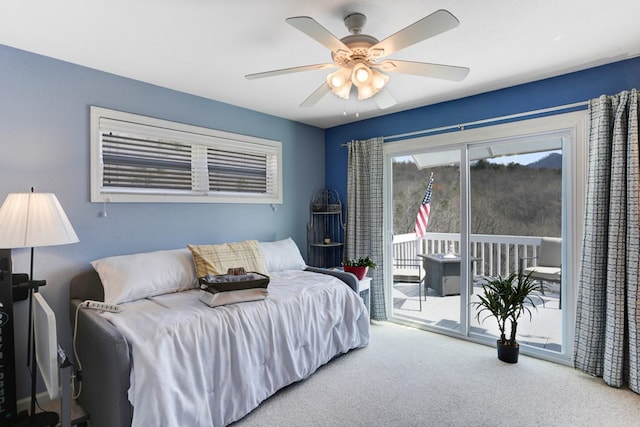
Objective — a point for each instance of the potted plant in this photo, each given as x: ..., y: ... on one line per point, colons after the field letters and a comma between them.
x: 507, y: 299
x: 359, y: 266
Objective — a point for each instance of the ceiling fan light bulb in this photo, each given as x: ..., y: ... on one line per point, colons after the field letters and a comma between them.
x: 362, y: 75
x: 379, y: 80
x: 334, y: 80
x: 365, y: 92
x: 340, y: 90
x: 340, y: 83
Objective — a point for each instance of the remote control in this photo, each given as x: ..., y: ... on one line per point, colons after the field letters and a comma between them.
x: 98, y: 305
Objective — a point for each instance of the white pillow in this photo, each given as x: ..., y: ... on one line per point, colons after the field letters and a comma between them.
x: 282, y: 255
x: 128, y: 278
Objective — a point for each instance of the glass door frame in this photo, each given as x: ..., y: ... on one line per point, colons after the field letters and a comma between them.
x: 574, y: 124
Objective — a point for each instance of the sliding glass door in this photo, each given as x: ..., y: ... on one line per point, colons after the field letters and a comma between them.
x: 426, y: 262
x: 516, y: 203
x: 495, y: 206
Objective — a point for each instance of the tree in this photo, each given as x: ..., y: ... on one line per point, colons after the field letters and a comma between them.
x: 505, y: 199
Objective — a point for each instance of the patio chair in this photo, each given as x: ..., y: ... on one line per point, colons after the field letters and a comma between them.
x: 409, y: 270
x: 548, y: 267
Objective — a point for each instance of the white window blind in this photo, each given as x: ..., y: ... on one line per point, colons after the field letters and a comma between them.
x: 137, y: 159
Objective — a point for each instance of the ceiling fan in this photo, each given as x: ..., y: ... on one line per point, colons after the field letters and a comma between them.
x: 358, y: 57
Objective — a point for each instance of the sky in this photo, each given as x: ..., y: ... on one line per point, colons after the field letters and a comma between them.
x: 523, y: 159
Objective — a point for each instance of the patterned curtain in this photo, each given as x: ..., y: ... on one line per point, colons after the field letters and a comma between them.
x: 608, y: 306
x: 364, y: 214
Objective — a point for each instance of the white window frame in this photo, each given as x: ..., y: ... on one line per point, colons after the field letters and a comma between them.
x: 200, y: 139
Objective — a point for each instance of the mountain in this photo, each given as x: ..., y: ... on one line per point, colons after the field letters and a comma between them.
x: 552, y: 161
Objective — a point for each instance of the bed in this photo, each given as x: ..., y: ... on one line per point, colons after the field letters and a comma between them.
x: 168, y: 359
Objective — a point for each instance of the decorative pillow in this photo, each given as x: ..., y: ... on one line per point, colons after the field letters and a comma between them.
x: 217, y: 259
x: 131, y: 277
x: 282, y: 255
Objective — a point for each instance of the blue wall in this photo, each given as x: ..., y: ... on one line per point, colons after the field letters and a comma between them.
x: 565, y: 89
x: 44, y: 140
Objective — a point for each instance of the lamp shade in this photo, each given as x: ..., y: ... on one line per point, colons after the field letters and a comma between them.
x: 30, y: 220
x: 340, y: 82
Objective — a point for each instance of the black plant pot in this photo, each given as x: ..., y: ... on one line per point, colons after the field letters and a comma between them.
x: 508, y: 353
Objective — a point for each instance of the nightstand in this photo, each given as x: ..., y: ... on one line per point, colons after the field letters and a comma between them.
x: 364, y: 288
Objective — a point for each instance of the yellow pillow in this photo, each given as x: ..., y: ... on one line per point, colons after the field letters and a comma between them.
x: 216, y: 259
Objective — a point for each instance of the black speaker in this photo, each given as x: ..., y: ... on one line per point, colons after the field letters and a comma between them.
x: 20, y: 286
x: 7, y: 356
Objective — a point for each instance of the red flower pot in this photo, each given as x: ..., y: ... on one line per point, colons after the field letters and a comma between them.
x: 360, y: 272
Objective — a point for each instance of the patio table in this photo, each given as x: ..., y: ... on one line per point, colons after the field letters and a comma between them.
x: 442, y: 272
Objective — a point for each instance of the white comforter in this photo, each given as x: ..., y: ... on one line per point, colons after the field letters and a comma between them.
x: 194, y: 365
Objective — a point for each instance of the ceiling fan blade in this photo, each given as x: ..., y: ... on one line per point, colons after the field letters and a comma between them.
x: 429, y: 26
x: 313, y: 29
x: 289, y: 70
x: 384, y: 99
x: 316, y: 95
x: 438, y: 71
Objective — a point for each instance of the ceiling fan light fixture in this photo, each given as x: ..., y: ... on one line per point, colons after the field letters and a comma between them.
x: 359, y: 57
x: 375, y: 83
x: 365, y: 92
x: 336, y: 80
x: 361, y: 75
x: 379, y: 80
x: 344, y: 91
x: 340, y: 83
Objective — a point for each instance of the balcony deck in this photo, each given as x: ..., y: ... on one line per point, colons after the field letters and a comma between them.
x: 494, y: 255
x: 544, y: 330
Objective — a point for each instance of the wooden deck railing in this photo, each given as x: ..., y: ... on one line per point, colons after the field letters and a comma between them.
x: 499, y: 255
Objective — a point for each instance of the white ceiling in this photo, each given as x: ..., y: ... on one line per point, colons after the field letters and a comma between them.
x: 205, y: 47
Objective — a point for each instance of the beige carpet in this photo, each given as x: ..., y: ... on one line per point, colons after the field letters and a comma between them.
x: 407, y: 377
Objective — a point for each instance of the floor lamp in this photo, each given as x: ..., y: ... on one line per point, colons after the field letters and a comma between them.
x: 29, y: 220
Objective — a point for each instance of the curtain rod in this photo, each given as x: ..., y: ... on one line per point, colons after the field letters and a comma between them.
x: 484, y: 121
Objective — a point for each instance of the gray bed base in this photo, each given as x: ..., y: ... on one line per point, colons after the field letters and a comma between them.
x: 104, y: 354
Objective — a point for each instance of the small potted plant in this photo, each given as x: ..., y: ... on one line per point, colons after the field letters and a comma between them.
x: 359, y: 266
x: 507, y: 299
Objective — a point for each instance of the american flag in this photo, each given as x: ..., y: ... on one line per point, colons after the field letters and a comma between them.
x: 422, y: 219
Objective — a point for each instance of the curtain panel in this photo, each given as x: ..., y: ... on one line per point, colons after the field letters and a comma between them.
x: 364, y: 214
x: 608, y: 305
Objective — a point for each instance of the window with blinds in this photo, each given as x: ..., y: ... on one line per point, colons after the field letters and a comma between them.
x: 141, y: 159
